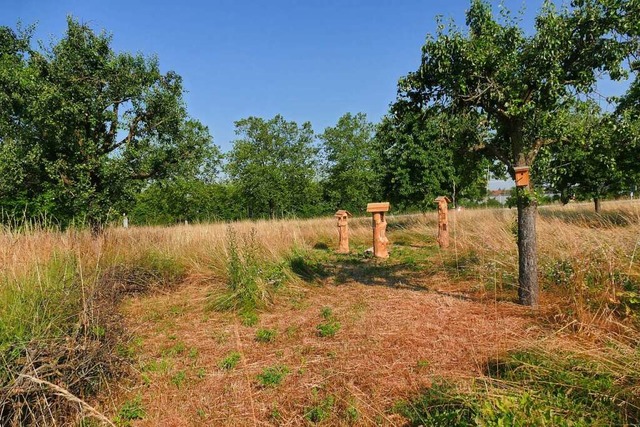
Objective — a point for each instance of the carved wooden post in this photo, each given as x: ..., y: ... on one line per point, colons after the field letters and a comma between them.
x: 380, y: 241
x: 443, y: 221
x: 125, y: 221
x: 343, y: 231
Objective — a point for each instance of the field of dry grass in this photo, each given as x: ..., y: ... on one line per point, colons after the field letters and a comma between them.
x: 333, y: 339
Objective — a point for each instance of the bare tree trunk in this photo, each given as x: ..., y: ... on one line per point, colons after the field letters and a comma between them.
x: 596, y: 202
x: 527, y: 251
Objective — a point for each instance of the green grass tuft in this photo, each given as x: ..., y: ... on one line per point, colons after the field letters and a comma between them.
x: 272, y: 376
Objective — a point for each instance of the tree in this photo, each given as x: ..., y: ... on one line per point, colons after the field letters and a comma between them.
x: 184, y: 199
x: 349, y: 178
x: 99, y: 126
x: 420, y: 157
x: 273, y: 166
x: 518, y: 82
x: 586, y: 161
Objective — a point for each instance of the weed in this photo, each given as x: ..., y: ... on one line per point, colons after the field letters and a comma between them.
x: 265, y: 335
x: 246, y: 278
x: 330, y: 326
x: 178, y: 378
x: 193, y: 353
x: 326, y: 313
x: 439, y: 405
x: 272, y: 376
x: 249, y: 318
x: 321, y: 410
x: 275, y: 414
x: 175, y: 350
x: 533, y: 388
x: 130, y: 410
x: 352, y: 414
x: 160, y: 366
x: 422, y: 364
x: 230, y: 362
x: 305, y: 265
x: 201, y: 373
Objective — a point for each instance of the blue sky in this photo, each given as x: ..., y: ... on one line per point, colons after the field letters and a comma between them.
x: 309, y: 60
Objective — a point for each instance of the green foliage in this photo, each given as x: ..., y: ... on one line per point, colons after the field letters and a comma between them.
x: 306, y: 265
x: 591, y: 160
x: 92, y: 127
x: 326, y: 313
x: 439, y: 405
x: 423, y: 155
x: 266, y: 335
x: 518, y: 82
x: 44, y: 303
x: 246, y: 284
x: 533, y: 388
x: 180, y: 199
x: 350, y: 181
x: 131, y: 410
x: 230, y: 362
x: 330, y: 326
x: 273, y: 166
x: 321, y: 410
x: 179, y: 378
x: 272, y: 376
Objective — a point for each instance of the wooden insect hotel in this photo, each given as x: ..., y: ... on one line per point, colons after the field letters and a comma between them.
x: 343, y: 231
x: 443, y: 221
x: 379, y: 223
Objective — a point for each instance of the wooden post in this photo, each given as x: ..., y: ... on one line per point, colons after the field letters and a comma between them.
x: 379, y: 224
x: 443, y: 221
x: 343, y: 231
x: 125, y: 221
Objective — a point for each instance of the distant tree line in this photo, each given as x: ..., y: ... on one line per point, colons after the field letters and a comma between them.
x: 88, y: 134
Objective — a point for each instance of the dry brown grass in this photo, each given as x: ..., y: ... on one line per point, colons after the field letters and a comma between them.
x: 394, y: 339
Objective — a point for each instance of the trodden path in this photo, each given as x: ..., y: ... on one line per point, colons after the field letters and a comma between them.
x: 392, y: 342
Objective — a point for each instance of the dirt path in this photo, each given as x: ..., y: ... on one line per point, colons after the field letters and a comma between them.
x: 391, y: 343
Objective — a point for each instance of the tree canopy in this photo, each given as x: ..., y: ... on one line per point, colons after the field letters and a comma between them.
x: 349, y: 181
x: 519, y: 82
x: 273, y: 165
x: 90, y: 126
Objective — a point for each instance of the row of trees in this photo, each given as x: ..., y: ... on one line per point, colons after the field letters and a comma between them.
x: 278, y: 168
x: 86, y: 132
x: 89, y: 134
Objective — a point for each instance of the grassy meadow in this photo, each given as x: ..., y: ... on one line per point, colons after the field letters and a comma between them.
x: 261, y: 323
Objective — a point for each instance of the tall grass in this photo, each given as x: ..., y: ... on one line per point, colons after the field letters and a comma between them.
x: 55, y: 284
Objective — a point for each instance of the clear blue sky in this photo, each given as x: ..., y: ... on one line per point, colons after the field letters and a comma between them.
x: 305, y: 59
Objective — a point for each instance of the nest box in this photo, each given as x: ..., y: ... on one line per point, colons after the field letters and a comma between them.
x: 441, y: 199
x: 378, y: 207
x: 343, y: 214
x: 522, y: 176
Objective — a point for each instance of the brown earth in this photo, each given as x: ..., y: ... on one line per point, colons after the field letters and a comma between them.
x: 392, y: 343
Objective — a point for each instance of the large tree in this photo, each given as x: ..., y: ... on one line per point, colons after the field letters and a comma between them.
x: 273, y: 166
x: 97, y: 124
x: 349, y: 180
x: 518, y: 82
x: 421, y: 156
x: 588, y: 161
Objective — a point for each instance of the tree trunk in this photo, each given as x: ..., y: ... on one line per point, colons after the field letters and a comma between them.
x: 596, y: 202
x: 527, y: 251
